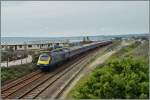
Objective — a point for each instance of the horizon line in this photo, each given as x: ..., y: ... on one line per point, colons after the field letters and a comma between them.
x: 80, y: 35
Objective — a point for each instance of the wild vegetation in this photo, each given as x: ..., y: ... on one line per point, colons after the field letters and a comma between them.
x: 13, y: 55
x: 9, y: 73
x: 123, y: 76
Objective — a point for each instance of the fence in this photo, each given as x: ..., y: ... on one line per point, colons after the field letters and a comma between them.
x: 17, y: 62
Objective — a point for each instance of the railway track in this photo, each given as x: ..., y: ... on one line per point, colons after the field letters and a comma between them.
x: 45, y: 85
x: 19, y: 80
x: 59, y: 85
x: 16, y: 88
x: 39, y: 89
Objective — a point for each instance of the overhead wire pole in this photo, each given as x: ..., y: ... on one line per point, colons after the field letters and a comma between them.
x: 7, y: 55
x: 25, y: 50
x: 21, y: 59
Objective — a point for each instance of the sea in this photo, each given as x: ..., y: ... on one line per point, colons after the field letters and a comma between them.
x: 28, y: 40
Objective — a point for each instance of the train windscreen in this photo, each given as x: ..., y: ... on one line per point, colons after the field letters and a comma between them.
x: 44, y: 57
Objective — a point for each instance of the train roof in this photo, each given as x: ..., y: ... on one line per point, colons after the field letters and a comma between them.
x: 75, y: 47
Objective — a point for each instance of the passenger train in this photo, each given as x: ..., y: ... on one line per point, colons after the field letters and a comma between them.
x: 48, y: 61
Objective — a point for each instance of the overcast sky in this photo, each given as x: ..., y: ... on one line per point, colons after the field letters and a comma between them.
x: 74, y: 18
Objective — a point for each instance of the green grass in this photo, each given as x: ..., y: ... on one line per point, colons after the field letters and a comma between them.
x: 15, y: 71
x: 124, y: 75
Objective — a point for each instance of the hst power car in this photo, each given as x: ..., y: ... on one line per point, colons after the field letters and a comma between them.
x: 48, y: 61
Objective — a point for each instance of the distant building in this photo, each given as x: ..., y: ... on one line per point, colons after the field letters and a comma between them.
x: 31, y: 46
x: 22, y: 46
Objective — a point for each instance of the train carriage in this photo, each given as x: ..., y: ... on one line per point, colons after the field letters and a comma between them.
x: 48, y: 61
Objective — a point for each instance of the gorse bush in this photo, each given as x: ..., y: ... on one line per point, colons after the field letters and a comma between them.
x: 122, y: 79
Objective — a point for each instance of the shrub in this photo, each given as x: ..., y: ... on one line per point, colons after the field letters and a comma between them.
x: 122, y: 79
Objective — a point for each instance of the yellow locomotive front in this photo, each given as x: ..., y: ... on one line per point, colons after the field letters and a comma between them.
x: 44, y: 61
